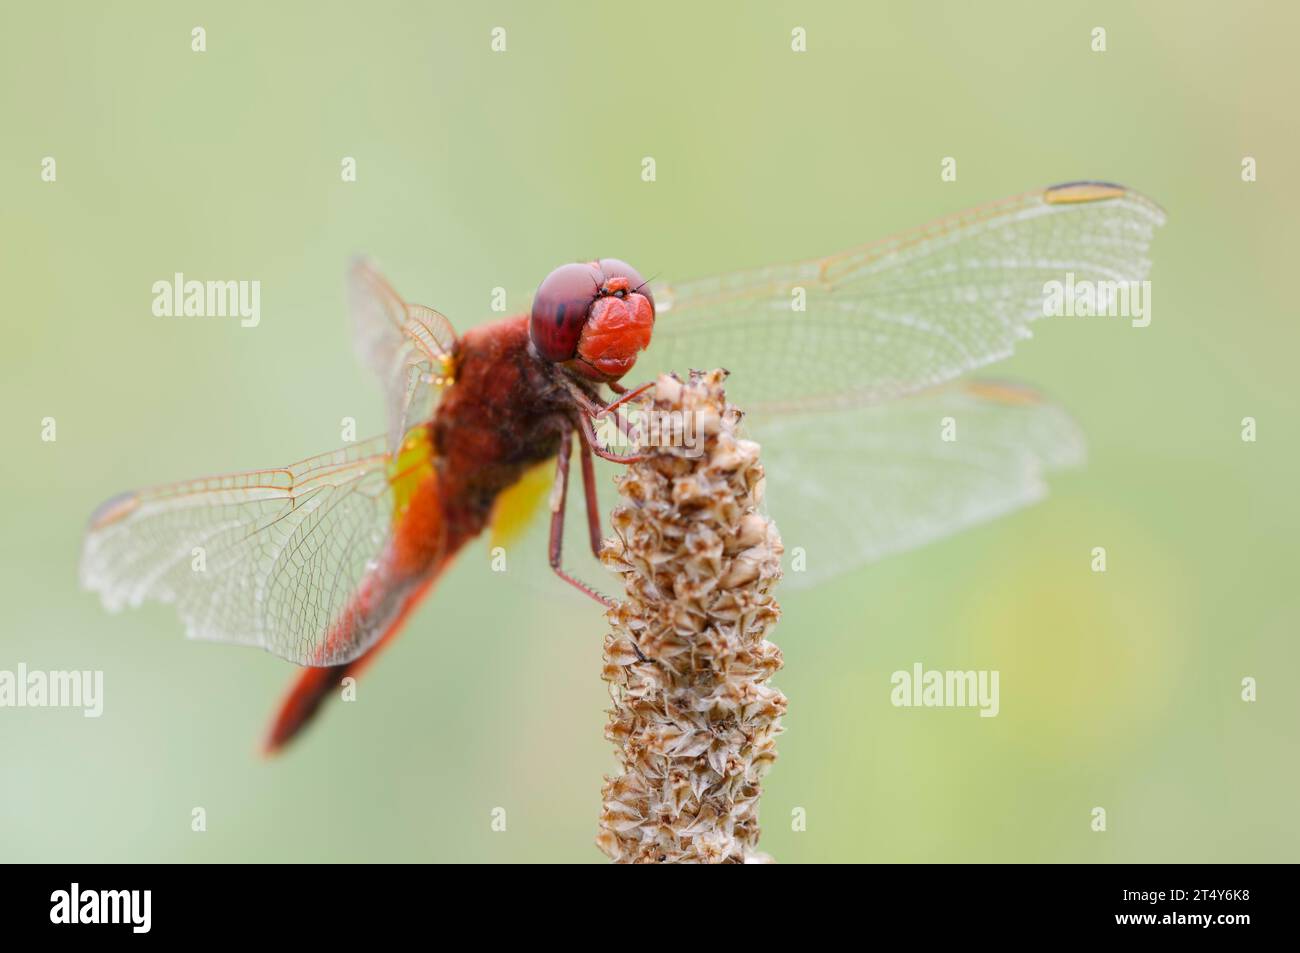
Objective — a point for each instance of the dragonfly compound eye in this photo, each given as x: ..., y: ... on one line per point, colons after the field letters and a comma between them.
x: 561, y: 308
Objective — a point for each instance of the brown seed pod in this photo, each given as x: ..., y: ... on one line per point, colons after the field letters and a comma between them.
x: 687, y: 658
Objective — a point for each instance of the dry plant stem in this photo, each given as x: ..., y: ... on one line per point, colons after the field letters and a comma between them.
x: 687, y: 658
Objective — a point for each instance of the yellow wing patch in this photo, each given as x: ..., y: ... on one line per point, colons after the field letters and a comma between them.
x: 516, y: 506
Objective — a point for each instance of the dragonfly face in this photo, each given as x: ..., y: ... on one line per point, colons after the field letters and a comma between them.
x: 593, y: 317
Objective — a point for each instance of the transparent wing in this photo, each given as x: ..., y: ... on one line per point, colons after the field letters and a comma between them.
x: 905, y: 313
x: 408, y: 346
x: 271, y: 558
x: 849, y: 486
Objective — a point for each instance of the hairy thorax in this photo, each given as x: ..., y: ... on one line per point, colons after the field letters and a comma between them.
x: 501, y: 416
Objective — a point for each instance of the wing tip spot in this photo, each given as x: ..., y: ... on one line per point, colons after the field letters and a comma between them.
x: 113, y: 510
x: 1068, y: 193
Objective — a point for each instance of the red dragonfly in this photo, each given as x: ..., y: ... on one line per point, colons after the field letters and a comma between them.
x: 322, y: 561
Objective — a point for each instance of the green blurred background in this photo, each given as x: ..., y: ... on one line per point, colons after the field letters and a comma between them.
x: 479, y: 169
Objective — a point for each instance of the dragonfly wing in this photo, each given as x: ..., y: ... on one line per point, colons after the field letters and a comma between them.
x: 906, y: 313
x: 408, y: 346
x: 289, y: 559
x: 858, y: 484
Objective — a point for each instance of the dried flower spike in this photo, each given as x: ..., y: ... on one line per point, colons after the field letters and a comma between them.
x: 687, y: 660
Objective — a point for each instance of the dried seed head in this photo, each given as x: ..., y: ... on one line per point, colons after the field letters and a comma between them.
x: 687, y: 658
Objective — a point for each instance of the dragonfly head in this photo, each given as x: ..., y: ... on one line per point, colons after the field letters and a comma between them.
x: 593, y: 318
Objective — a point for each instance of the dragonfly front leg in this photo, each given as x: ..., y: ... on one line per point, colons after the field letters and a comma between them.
x: 625, y: 395
x: 559, y: 494
x: 589, y: 438
x: 590, y: 410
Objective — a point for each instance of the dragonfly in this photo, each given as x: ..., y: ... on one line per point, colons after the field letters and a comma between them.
x: 844, y: 365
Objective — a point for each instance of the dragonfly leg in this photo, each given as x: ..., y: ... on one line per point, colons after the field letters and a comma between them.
x: 595, y: 410
x: 593, y: 508
x: 588, y: 432
x: 589, y: 490
x: 625, y: 395
x: 559, y: 491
